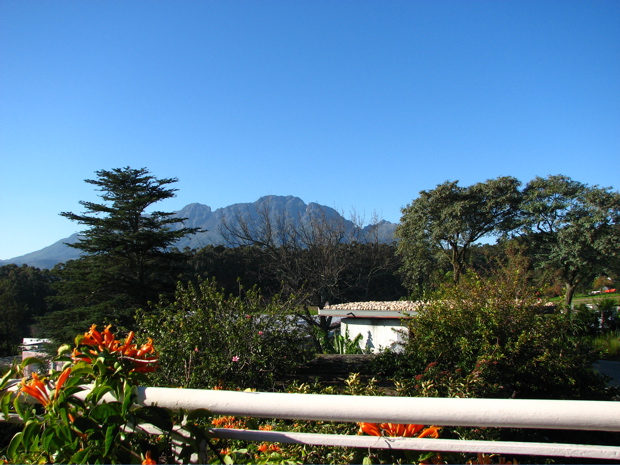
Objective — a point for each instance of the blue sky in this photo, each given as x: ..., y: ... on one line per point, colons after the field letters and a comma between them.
x: 357, y: 105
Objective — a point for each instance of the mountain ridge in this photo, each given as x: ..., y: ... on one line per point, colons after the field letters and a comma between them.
x: 204, y: 217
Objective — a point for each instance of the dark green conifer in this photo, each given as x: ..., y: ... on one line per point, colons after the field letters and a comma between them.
x: 128, y: 257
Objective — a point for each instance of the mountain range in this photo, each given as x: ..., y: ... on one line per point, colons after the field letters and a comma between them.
x: 210, y: 221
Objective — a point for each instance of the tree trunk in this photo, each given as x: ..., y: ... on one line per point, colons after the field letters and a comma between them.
x: 570, y: 292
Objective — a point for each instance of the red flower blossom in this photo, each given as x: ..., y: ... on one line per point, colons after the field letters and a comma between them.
x: 148, y: 460
x: 266, y: 447
x: 38, y: 389
x: 371, y: 429
x: 143, y: 358
x: 398, y: 430
x: 432, y: 431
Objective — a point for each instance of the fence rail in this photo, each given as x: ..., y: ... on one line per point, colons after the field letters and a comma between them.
x: 502, y: 413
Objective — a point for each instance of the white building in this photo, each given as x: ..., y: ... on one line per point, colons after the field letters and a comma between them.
x: 32, y: 347
x: 381, y: 324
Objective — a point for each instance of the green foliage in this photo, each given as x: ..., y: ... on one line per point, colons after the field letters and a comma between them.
x: 231, y: 267
x: 71, y: 423
x: 607, y: 346
x: 247, y: 452
x: 208, y: 338
x: 489, y: 337
x: 571, y: 229
x: 441, y: 225
x: 607, y: 312
x: 127, y: 259
x: 23, y: 294
x: 342, y: 344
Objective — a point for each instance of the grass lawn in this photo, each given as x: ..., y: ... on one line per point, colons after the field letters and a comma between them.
x: 589, y: 298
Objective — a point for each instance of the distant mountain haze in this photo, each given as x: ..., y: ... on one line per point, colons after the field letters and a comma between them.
x: 202, y: 216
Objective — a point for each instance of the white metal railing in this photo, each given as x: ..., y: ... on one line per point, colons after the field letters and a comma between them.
x: 502, y: 413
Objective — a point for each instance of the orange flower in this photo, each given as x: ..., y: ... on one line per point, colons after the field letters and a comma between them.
x: 411, y: 430
x: 147, y: 459
x: 143, y: 363
x: 266, y: 447
x: 391, y: 429
x: 61, y: 381
x: 228, y: 422
x: 77, y: 356
x: 400, y: 430
x: 432, y: 431
x: 92, y: 337
x: 37, y: 389
x: 126, y: 346
x: 371, y: 429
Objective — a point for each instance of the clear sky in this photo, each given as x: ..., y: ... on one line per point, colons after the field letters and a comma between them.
x: 356, y: 105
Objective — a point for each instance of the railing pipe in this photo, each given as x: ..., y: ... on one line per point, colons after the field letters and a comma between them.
x: 506, y: 413
x: 581, y: 451
x: 501, y: 413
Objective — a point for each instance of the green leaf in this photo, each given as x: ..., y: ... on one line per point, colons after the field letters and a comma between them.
x: 156, y: 416
x: 84, y: 424
x: 366, y: 461
x: 81, y: 456
x: 64, y: 349
x: 69, y: 391
x: 31, y: 360
x: 15, y: 444
x: 10, y: 374
x: 228, y: 460
x: 19, y: 408
x: 81, y: 369
x: 199, y: 414
x: 98, y: 392
x: 106, y: 412
x: 30, y: 435
x: 427, y: 456
x: 47, y: 438
x: 110, y: 435
x: 5, y: 401
x: 129, y: 394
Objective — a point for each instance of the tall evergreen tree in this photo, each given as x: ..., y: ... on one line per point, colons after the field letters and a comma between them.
x: 128, y: 256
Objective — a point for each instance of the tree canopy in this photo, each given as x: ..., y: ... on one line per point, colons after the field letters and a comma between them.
x: 23, y: 294
x: 129, y: 257
x: 571, y: 229
x: 442, y: 224
x: 319, y: 256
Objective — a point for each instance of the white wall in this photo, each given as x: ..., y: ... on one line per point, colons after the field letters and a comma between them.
x: 377, y: 333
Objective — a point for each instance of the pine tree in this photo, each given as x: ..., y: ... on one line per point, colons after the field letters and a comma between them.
x: 128, y: 256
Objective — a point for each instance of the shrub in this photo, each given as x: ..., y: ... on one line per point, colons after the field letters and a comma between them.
x: 490, y: 337
x: 207, y: 338
x: 607, y: 313
x: 70, y: 421
x: 607, y: 345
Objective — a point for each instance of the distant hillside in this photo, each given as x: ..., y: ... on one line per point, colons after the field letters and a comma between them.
x: 49, y: 256
x: 201, y: 216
